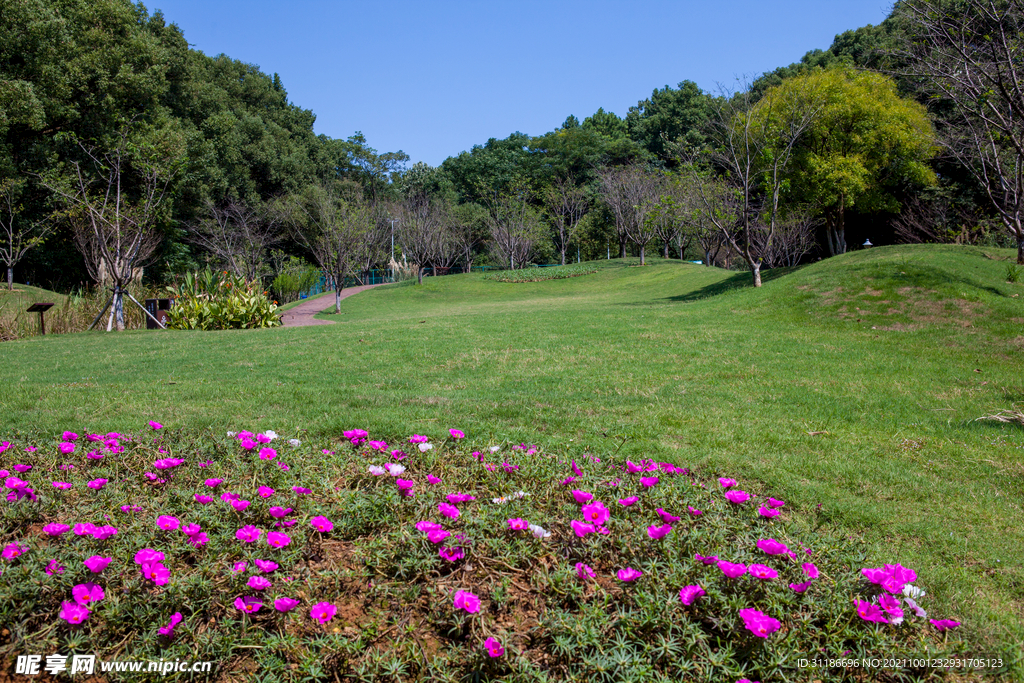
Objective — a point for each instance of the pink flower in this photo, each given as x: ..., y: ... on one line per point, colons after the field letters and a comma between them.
x: 447, y: 510
x: 659, y: 532
x: 73, y: 613
x: 66, y: 447
x: 94, y: 455
x: 104, y: 532
x: 467, y: 601
x: 626, y: 502
x: 265, y: 566
x: 567, y: 481
x: 759, y: 623
x: 322, y: 524
x: 437, y: 535
x: 167, y: 522
x: 97, y: 564
x: 405, y: 487
x: 203, y: 500
x: 264, y: 438
x: 629, y: 574
x: 726, y: 482
x: 690, y: 593
x: 265, y: 491
x: 518, y: 523
x: 633, y: 467
x: 648, y: 482
x: 376, y: 470
x: 240, y: 566
x: 456, y: 434
x: 736, y: 496
x: 69, y: 436
x: 596, y: 513
x: 810, y: 570
x: 85, y: 593
x: 775, y: 503
x: 169, y: 629
x: 494, y: 647
x: 55, y: 529
x: 892, y: 577
x: 584, y: 571
x: 771, y: 546
x: 323, y: 612
x: 870, y: 612
x: 84, y: 529
x: 581, y: 529
x: 248, y: 533
x: 943, y: 624
x: 457, y: 498
x: 285, y: 604
x: 451, y: 553
x: 156, y: 426
x: 248, y: 444
x: 891, y: 606
x: 767, y: 512
x: 278, y: 539
x: 426, y: 526
x: 582, y: 497
x: 576, y: 469
x: 733, y: 571
x: 666, y: 517
x: 356, y: 436
x: 800, y: 587
x: 710, y: 559
x: 248, y: 604
x: 378, y: 445
x: 762, y: 571
x: 431, y: 479
x: 156, y: 572
x: 694, y: 511
x: 279, y: 512
x: 267, y: 453
x: 301, y: 490
x: 61, y: 485
x: 418, y: 438
x: 199, y: 540
x: 54, y: 568
x: 147, y: 555
x: 258, y: 583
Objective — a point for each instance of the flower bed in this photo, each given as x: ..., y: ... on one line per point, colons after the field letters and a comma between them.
x: 538, y: 274
x: 430, y: 559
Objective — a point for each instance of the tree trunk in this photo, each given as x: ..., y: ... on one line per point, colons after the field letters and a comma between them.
x: 10, y: 279
x: 419, y: 274
x: 622, y: 249
x: 756, y: 268
x: 666, y: 249
x: 642, y: 261
x: 337, y: 300
x: 119, y: 308
x: 563, y: 255
x: 1020, y: 252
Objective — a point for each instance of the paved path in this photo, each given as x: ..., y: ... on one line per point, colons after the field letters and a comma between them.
x: 302, y: 314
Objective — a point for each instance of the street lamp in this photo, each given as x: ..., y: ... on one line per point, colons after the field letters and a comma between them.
x: 867, y: 244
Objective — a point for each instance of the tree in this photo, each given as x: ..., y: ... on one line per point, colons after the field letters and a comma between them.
x: 423, y: 231
x: 967, y: 56
x: 669, y: 117
x: 632, y: 193
x: 860, y: 148
x: 469, y: 227
x: 238, y: 235
x: 332, y: 228
x: 114, y: 196
x: 16, y: 238
x: 515, y: 226
x: 566, y: 204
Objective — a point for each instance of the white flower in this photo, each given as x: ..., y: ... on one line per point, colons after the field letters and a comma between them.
x: 519, y: 494
x: 271, y: 433
x: 376, y: 470
x: 913, y: 592
x: 539, y: 531
x: 917, y: 609
x: 424, y: 447
x: 393, y: 469
x: 295, y: 443
x: 500, y: 500
x: 495, y: 449
x: 231, y: 434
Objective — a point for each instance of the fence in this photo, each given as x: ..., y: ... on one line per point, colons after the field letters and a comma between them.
x: 367, y: 277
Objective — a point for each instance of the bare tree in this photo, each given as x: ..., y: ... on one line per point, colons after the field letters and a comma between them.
x: 424, y: 233
x: 970, y: 59
x: 515, y: 227
x: 17, y: 239
x: 333, y: 229
x: 238, y: 235
x: 468, y: 223
x: 114, y: 196
x: 375, y: 244
x: 937, y: 219
x: 566, y: 203
x: 632, y: 193
x: 793, y: 239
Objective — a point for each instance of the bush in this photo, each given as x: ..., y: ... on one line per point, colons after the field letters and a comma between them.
x: 296, y: 277
x: 209, y: 301
x: 538, y: 274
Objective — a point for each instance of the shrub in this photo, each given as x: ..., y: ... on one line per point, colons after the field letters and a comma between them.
x: 539, y: 274
x: 296, y: 277
x: 220, y: 301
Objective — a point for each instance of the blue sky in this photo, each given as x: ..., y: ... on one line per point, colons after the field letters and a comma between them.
x: 435, y: 77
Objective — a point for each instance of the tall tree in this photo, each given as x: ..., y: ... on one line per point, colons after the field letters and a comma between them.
x: 632, y: 192
x: 566, y: 204
x: 423, y: 231
x: 17, y: 236
x: 238, y: 235
x: 668, y: 117
x: 515, y: 226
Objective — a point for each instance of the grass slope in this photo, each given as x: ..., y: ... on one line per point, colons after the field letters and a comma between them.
x: 849, y: 387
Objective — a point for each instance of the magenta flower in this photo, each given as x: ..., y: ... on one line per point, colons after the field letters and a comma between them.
x: 66, y: 447
x: 61, y: 485
x: 240, y: 505
x: 629, y: 574
x: 767, y: 512
x: 278, y: 539
x: 576, y: 469
x: 302, y: 490
x: 240, y: 566
x: 690, y: 593
x: 659, y: 532
x: 775, y: 503
x: 892, y: 577
x: 447, y: 510
x: 710, y: 559
x: 648, y: 482
x: 456, y: 434
x: 494, y: 647
x: 733, y: 571
x: 759, y: 623
x: 213, y: 483
x: 459, y: 497
x: 147, y: 555
x: 891, y: 606
x: 203, y: 500
x: 22, y: 469
x: 69, y: 436
x: 54, y: 568
x: 800, y: 587
x: 323, y: 612
x: 762, y: 571
x: 431, y: 479
x: 810, y: 570
x: 437, y: 535
x: 694, y: 511
x: 84, y: 529
x: 285, y: 604
x: 666, y: 517
x: 73, y: 613
x: 356, y: 436
x: 451, y: 553
x: 772, y: 547
x: 169, y: 629
x: 581, y: 529
x: 405, y: 487
x: 279, y: 512
x: 943, y: 624
x: 248, y: 604
x: 55, y: 529
x: 155, y: 426
x: 191, y: 529
x: 626, y: 502
x: 104, y: 532
x: 426, y: 526
x: 97, y: 564
x: 596, y: 513
x: 265, y: 566
x: 378, y: 445
x: 584, y: 571
x: 267, y: 453
x: 167, y: 522
x: 264, y: 438
x: 199, y: 540
x: 518, y: 524
x: 418, y: 438
x: 321, y: 524
x: 248, y: 444
x: 258, y: 583
x: 726, y: 482
x: 248, y: 533
x: 736, y: 496
x: 567, y: 481
x: 156, y: 572
x: 582, y: 497
x: 97, y: 484
x: 467, y: 601
x: 94, y: 455
x: 85, y: 593
x: 870, y: 612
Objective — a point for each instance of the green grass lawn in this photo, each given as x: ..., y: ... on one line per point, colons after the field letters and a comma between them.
x: 851, y: 388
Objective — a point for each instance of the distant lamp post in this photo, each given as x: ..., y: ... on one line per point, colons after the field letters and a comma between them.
x: 867, y: 244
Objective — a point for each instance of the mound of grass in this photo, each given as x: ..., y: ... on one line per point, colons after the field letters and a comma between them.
x: 540, y: 274
x: 308, y: 560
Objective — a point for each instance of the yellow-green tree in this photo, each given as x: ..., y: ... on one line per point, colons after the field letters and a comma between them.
x: 863, y: 145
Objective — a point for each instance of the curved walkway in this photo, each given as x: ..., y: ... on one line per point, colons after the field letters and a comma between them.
x: 302, y: 315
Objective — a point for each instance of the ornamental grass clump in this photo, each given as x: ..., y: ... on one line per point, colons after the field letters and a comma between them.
x: 550, y: 568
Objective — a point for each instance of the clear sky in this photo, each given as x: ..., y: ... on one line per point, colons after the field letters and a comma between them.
x: 435, y: 77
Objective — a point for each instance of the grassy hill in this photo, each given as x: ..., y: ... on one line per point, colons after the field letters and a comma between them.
x: 851, y: 387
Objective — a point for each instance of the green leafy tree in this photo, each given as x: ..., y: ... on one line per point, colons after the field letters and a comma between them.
x: 668, y: 117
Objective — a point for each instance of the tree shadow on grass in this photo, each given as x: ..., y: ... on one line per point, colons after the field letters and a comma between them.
x: 737, y: 281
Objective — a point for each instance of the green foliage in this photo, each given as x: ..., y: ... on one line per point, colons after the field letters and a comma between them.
x: 1012, y: 273
x: 295, y: 276
x: 220, y: 301
x: 540, y: 274
x: 670, y: 116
